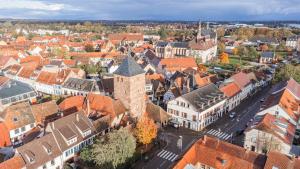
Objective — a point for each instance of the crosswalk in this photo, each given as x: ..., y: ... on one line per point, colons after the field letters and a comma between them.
x: 219, y: 134
x: 168, y: 155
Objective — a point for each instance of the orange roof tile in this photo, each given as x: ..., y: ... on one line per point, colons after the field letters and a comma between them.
x: 16, y: 162
x: 220, y: 154
x: 178, y: 64
x: 230, y: 89
x: 72, y: 104
x: 4, y: 136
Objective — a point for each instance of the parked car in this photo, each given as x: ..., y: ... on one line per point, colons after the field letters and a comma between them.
x: 174, y: 123
x: 232, y: 114
x: 262, y: 100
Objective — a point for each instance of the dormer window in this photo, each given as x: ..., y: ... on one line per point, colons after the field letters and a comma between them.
x: 47, y: 147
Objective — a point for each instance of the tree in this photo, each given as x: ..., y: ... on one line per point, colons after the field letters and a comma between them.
x: 86, y: 154
x: 114, y: 150
x: 221, y: 47
x: 224, y: 58
x: 89, y: 48
x: 253, y: 54
x: 162, y: 33
x: 146, y: 130
x: 242, y: 51
x: 286, y: 72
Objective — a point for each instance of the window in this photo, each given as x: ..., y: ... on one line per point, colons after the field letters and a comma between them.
x: 17, y: 131
x: 31, y: 125
x: 44, y: 166
x: 185, y: 115
x: 52, y: 162
x: 23, y: 129
x: 194, y: 117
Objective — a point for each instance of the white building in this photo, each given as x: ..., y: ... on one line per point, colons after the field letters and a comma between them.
x: 199, y: 108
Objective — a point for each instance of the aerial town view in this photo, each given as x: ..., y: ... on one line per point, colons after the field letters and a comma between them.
x: 149, y: 84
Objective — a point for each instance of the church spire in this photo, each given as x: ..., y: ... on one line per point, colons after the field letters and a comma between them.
x: 199, y: 31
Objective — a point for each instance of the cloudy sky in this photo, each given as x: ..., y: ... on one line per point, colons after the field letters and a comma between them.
x: 151, y: 9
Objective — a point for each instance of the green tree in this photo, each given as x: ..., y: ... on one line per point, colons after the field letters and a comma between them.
x: 114, y: 150
x: 242, y: 51
x: 221, y: 47
x: 286, y: 72
x: 253, y: 54
x: 86, y: 154
x: 162, y: 33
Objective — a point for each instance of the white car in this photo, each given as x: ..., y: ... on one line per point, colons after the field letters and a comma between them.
x: 262, y: 100
x: 232, y: 114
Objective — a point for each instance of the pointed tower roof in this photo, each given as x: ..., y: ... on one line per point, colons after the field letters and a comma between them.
x: 129, y: 67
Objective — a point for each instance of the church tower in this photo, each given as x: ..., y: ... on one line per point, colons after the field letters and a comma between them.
x: 199, y: 32
x: 129, y: 86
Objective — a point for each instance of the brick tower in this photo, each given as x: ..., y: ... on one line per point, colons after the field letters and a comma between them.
x: 129, y: 86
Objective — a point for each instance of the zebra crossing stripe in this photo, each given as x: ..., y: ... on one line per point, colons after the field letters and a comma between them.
x: 174, y: 158
x: 163, y: 153
x: 171, y: 157
x: 213, y: 133
x: 160, y: 152
x: 210, y: 131
x: 227, y: 137
x: 219, y: 133
x: 221, y: 136
x: 166, y: 154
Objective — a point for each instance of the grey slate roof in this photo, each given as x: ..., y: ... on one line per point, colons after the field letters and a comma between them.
x: 14, y: 88
x: 86, y: 85
x: 129, y: 67
x: 267, y: 54
x: 207, y: 96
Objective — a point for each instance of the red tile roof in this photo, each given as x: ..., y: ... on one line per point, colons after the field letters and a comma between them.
x: 219, y: 154
x: 4, y: 136
x: 178, y: 64
x: 16, y: 162
x: 72, y: 104
x: 230, y: 89
x: 241, y: 79
x: 281, y: 161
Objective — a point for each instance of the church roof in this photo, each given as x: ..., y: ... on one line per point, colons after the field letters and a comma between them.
x: 129, y: 67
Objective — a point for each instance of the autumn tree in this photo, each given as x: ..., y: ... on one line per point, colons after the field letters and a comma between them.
x: 146, y: 130
x: 224, y: 58
x: 221, y: 47
x: 114, y: 150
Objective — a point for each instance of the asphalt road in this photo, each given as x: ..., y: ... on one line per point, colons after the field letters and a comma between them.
x: 225, y: 129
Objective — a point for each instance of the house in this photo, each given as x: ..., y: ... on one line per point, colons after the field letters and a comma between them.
x: 18, y: 119
x: 283, y: 101
x: 292, y: 42
x: 45, y: 154
x: 122, y: 39
x: 12, y: 91
x: 244, y: 83
x: 199, y: 108
x: 210, y: 152
x: 232, y: 92
x: 15, y: 162
x: 45, y: 112
x: 280, y: 161
x: 76, y: 86
x: 6, y: 61
x: 71, y: 133
x: 72, y: 104
x: 171, y: 65
x: 270, y: 133
x: 267, y: 57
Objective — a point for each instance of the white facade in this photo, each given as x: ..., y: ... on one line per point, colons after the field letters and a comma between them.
x: 259, y: 141
x: 17, y: 134
x: 233, y: 101
x: 188, y: 116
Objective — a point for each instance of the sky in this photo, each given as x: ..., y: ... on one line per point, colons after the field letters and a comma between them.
x: 189, y: 10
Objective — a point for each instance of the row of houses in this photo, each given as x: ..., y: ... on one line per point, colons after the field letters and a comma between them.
x: 275, y: 126
x: 201, y: 107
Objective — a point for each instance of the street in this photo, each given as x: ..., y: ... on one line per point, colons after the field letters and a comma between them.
x: 224, y: 128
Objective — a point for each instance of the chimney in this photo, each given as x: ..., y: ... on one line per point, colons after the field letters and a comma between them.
x: 52, y: 125
x: 77, y: 117
x: 204, y: 139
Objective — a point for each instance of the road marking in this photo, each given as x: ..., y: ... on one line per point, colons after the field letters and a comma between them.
x: 174, y: 158
x: 227, y: 137
x: 210, y: 131
x: 160, y: 152
x: 169, y: 155
x: 213, y: 133
x: 166, y: 154
x: 162, y: 163
x: 221, y: 136
x: 163, y: 154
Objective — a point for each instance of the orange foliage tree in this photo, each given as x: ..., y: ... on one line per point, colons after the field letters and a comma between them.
x: 235, y: 51
x: 224, y: 58
x: 146, y: 130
